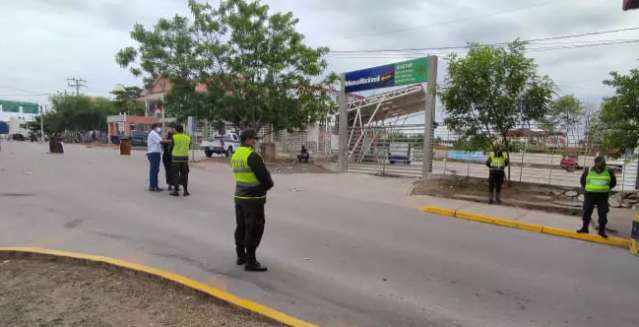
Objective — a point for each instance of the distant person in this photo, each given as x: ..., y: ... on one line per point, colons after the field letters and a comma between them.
x: 180, y: 158
x: 497, y: 162
x: 154, y: 154
x: 597, y: 183
x: 303, y: 156
x: 167, y: 158
x: 252, y: 180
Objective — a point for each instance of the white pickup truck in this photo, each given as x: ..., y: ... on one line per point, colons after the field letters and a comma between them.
x: 220, y: 144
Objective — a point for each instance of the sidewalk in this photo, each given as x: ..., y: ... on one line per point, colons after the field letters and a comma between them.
x: 620, y: 220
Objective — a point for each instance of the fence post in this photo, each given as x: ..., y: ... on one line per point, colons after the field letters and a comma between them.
x: 552, y: 157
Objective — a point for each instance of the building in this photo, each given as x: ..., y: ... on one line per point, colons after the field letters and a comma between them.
x: 125, y: 125
x: 17, y: 114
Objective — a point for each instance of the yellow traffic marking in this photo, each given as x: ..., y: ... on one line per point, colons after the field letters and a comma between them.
x: 511, y: 223
x: 176, y: 278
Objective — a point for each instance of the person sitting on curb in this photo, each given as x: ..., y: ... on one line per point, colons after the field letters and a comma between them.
x: 303, y: 156
x: 597, y: 183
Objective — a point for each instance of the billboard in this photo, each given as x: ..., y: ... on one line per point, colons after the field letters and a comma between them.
x: 401, y: 73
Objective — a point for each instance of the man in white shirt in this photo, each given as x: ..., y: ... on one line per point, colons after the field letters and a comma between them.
x: 154, y: 154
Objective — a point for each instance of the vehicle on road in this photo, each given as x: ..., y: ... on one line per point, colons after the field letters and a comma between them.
x: 221, y: 144
x: 570, y: 163
x: 399, y: 153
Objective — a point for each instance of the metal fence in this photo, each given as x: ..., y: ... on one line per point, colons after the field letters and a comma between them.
x: 397, y: 150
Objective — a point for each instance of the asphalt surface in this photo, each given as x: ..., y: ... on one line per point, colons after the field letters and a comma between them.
x: 342, y: 250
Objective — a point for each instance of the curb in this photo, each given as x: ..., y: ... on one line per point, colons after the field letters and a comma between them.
x: 511, y: 223
x: 224, y: 296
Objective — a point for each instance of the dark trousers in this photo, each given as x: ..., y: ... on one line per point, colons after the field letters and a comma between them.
x: 168, y: 168
x: 495, y: 180
x: 180, y: 174
x: 600, y: 200
x: 154, y: 169
x: 249, y: 216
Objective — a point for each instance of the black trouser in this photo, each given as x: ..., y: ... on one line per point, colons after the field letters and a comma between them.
x: 249, y: 216
x: 180, y: 174
x: 592, y: 199
x: 168, y: 168
x: 495, y: 180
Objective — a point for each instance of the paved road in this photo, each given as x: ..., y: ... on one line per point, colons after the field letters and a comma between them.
x: 343, y: 250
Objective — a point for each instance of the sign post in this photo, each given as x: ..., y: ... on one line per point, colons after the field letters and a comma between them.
x: 415, y: 71
x: 429, y: 117
x: 343, y: 127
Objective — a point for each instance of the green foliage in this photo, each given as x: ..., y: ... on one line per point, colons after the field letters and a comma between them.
x: 565, y: 113
x: 126, y: 100
x: 619, y: 117
x: 257, y: 69
x: 76, y: 113
x: 493, y: 90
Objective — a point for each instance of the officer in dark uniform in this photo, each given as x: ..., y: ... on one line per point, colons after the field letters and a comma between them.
x: 252, y: 182
x: 497, y: 162
x: 597, y: 183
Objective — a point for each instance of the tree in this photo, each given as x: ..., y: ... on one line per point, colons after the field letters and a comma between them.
x: 76, y: 113
x: 255, y: 65
x: 620, y: 112
x: 126, y: 99
x: 493, y: 90
x: 565, y: 112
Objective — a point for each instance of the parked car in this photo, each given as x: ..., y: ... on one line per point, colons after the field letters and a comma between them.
x: 399, y: 153
x: 221, y: 144
x: 570, y: 163
x: 139, y: 138
x: 18, y: 137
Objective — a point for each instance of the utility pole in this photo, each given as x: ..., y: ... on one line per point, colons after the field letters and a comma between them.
x: 76, y: 83
x: 42, y: 124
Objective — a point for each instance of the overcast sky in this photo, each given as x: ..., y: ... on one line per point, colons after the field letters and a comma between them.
x: 46, y: 41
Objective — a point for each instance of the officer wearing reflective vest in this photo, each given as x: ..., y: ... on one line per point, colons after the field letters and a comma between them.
x: 497, y: 162
x: 181, y: 143
x: 252, y: 182
x: 597, y: 183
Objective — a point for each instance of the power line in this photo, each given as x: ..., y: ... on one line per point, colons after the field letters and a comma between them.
x: 496, y: 13
x: 76, y: 83
x: 559, y: 37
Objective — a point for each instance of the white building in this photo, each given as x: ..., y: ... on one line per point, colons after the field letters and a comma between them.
x: 16, y: 114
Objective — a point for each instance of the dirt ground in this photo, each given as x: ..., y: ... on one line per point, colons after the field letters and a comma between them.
x: 275, y: 167
x: 48, y: 292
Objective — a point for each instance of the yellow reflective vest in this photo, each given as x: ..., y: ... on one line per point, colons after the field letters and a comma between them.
x: 181, y: 144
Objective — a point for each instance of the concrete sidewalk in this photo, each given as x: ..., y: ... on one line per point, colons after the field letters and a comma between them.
x: 620, y: 220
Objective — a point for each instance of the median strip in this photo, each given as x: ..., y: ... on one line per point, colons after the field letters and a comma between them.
x: 512, y: 223
x: 227, y: 297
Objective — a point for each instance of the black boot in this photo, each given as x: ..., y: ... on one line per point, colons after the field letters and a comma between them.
x: 584, y: 229
x: 602, y: 231
x: 241, y: 256
x: 176, y: 189
x: 251, y: 263
x: 186, y: 192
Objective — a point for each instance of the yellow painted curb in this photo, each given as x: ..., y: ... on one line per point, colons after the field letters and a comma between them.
x: 179, y: 279
x: 439, y: 211
x: 511, y: 223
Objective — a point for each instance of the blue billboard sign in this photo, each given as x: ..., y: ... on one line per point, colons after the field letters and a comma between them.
x: 402, y: 73
x: 4, y: 128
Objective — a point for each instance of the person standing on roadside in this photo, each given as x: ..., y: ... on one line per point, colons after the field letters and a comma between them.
x: 497, y: 162
x: 252, y: 180
x: 154, y: 154
x: 180, y: 158
x: 167, y: 158
x: 597, y: 183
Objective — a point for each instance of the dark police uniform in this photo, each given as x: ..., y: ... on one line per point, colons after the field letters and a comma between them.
x: 597, y: 186
x: 252, y: 182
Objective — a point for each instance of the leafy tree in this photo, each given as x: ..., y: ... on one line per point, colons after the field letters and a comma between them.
x: 256, y: 67
x: 493, y: 90
x: 565, y: 113
x: 76, y: 113
x: 620, y: 112
x: 126, y: 100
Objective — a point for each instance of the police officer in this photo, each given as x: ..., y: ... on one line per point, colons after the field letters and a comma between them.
x: 597, y: 183
x: 180, y: 160
x: 497, y: 162
x: 252, y: 182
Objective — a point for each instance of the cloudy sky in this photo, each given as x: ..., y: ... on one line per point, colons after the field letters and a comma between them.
x: 46, y: 41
